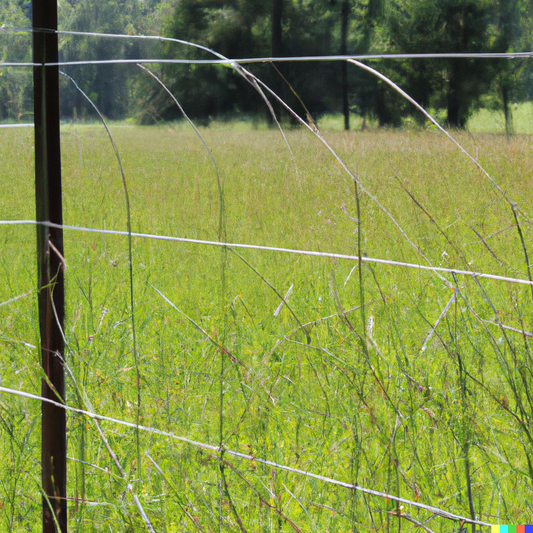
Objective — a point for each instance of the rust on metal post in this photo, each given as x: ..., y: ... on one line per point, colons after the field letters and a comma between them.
x: 49, y: 261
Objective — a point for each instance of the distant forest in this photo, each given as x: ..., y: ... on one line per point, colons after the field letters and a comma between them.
x: 272, y: 28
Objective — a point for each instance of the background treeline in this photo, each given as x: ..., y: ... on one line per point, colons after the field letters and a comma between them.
x: 271, y: 28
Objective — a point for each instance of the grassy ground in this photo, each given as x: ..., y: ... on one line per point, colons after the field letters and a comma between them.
x: 356, y: 396
x: 494, y: 121
x: 481, y: 121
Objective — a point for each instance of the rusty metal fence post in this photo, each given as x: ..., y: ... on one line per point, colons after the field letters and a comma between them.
x: 50, y: 263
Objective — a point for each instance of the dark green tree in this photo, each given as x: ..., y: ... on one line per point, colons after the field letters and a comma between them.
x: 111, y: 87
x: 508, y: 38
x: 444, y: 26
x: 233, y: 28
x: 16, y: 89
x: 248, y: 28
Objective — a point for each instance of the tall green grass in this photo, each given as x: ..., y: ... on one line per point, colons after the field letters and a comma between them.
x: 448, y: 426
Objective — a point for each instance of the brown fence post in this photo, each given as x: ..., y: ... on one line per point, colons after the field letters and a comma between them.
x: 50, y: 263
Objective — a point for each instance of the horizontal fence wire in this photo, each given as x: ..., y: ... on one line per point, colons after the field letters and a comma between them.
x: 219, y: 449
x: 230, y: 62
x: 30, y: 125
x: 311, y: 253
x: 227, y: 61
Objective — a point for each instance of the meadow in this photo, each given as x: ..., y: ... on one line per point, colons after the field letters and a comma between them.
x: 410, y: 382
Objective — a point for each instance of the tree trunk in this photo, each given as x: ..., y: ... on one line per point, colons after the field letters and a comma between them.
x: 345, y: 12
x: 454, y: 97
x: 508, y: 20
x: 277, y: 81
x: 277, y: 11
x: 509, y: 128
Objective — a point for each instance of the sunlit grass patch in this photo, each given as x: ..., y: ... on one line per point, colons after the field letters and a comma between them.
x: 361, y: 402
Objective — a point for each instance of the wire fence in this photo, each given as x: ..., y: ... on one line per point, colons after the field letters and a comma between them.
x: 370, y: 379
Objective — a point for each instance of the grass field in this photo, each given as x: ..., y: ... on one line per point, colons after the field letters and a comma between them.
x: 481, y: 121
x: 345, y: 381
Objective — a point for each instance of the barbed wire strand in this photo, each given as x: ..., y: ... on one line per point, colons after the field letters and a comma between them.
x: 440, y: 512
